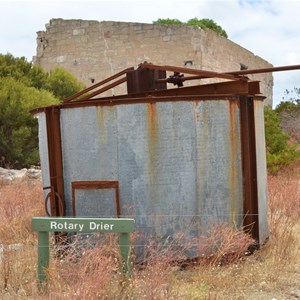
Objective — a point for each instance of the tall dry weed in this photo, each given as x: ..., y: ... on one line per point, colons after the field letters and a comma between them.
x: 284, y: 211
x: 94, y: 272
x: 19, y: 201
x: 224, y: 245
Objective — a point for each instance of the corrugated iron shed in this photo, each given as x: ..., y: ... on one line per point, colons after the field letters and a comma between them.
x: 177, y: 160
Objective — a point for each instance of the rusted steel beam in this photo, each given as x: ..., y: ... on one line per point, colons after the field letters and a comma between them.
x: 250, y: 203
x: 225, y: 88
x: 265, y: 70
x: 208, y: 74
x: 104, y: 89
x: 75, y: 96
x: 55, y: 161
x: 222, y: 88
x: 127, y: 101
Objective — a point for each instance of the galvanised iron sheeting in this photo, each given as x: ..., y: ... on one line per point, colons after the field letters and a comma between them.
x: 178, y: 164
x: 43, y: 150
x: 43, y: 147
x: 261, y: 170
x: 178, y: 160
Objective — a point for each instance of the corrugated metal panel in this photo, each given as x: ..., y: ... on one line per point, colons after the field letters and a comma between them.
x: 219, y: 167
x: 157, y: 149
x: 261, y: 171
x: 89, y: 149
x: 178, y: 163
x: 43, y: 148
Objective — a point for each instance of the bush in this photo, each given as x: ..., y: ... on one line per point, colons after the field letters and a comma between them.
x: 279, y: 151
x: 168, y: 21
x: 18, y: 129
x: 208, y: 23
x: 289, y: 112
x: 63, y: 84
x: 24, y: 87
x: 202, y: 23
x: 23, y: 71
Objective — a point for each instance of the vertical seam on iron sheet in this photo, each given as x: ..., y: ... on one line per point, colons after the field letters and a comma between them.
x: 196, y: 158
x: 118, y: 165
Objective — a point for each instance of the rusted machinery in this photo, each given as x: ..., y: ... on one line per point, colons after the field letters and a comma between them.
x: 177, y: 160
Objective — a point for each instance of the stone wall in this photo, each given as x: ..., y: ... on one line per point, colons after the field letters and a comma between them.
x: 94, y: 50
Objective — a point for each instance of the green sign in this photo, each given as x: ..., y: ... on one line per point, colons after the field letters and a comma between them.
x: 44, y: 225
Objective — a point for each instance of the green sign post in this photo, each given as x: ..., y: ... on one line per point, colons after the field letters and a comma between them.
x: 44, y: 225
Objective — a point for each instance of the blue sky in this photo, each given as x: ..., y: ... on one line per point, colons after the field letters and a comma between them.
x: 269, y: 29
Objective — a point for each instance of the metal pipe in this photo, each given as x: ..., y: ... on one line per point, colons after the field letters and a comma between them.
x: 104, y: 89
x: 265, y: 70
x: 72, y: 97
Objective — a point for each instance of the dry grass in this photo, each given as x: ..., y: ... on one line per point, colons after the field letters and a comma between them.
x: 224, y: 272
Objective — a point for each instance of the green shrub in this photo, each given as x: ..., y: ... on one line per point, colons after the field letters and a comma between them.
x: 18, y: 129
x: 168, y: 21
x: 202, y: 23
x: 23, y: 71
x: 63, y: 84
x: 279, y: 151
x: 24, y: 87
x: 208, y: 23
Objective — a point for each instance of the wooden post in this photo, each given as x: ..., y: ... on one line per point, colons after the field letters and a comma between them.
x: 124, y: 242
x: 43, y: 255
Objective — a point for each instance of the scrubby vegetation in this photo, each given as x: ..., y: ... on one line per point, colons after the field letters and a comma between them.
x: 24, y: 87
x: 271, y: 272
x: 202, y: 23
x: 280, y: 151
x: 289, y: 112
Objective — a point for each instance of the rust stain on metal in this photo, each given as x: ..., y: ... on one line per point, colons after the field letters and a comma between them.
x: 101, y: 115
x: 102, y: 130
x: 152, y: 139
x: 152, y: 122
x: 197, y: 113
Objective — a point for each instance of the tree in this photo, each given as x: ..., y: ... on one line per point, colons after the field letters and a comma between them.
x: 18, y: 129
x: 279, y: 151
x: 24, y: 87
x: 23, y: 71
x: 202, y: 23
x: 289, y: 112
x: 63, y: 84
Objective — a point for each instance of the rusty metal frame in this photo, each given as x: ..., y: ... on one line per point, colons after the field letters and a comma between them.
x: 201, y: 73
x: 55, y: 161
x: 236, y: 84
x: 265, y: 70
x: 249, y: 163
x: 83, y: 92
x: 197, y: 74
x: 95, y: 185
x: 208, y: 91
